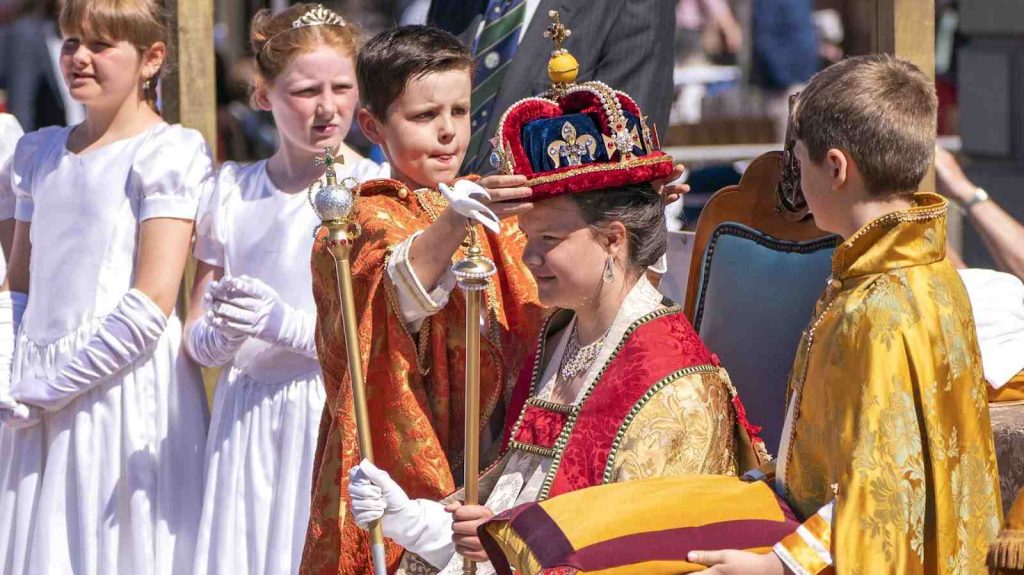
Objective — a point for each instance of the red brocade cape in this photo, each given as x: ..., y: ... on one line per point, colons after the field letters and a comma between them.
x: 657, y: 349
x: 415, y: 382
x: 589, y: 442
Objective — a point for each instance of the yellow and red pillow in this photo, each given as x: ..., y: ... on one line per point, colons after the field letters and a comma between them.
x: 637, y: 527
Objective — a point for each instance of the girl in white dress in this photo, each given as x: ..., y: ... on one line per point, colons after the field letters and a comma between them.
x: 252, y: 310
x: 103, y: 421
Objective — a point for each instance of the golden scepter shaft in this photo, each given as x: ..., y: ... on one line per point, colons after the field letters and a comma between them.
x: 334, y: 203
x: 472, y: 274
x: 472, y: 429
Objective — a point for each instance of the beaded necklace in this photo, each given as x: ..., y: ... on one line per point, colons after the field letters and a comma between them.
x: 578, y: 358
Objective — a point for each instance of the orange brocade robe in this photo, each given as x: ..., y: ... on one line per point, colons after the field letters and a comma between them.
x: 414, y: 381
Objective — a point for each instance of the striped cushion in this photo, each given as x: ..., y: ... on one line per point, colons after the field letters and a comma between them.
x: 637, y: 527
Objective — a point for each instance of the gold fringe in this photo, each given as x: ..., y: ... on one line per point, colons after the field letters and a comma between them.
x: 1006, y: 556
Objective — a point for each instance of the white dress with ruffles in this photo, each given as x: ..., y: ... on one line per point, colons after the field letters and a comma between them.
x: 112, y: 483
x: 269, y: 399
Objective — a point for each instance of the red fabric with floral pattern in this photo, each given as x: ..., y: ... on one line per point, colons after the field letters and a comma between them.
x: 521, y: 392
x: 540, y: 427
x: 655, y: 350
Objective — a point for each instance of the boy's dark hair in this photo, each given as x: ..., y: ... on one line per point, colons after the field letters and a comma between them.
x: 395, y: 57
x: 878, y: 109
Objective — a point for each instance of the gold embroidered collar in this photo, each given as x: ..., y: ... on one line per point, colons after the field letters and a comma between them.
x: 916, y: 236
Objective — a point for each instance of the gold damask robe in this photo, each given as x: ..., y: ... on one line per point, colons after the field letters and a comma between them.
x: 887, y: 449
x: 414, y: 380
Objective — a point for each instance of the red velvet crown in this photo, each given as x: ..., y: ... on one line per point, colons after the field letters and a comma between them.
x: 577, y: 137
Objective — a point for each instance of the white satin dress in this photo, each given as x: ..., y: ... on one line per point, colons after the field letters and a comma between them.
x: 112, y: 483
x: 269, y: 399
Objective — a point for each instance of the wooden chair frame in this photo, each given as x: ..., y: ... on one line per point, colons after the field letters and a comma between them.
x: 755, y: 202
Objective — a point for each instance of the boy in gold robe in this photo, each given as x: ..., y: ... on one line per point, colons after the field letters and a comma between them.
x: 887, y: 449
x: 887, y: 452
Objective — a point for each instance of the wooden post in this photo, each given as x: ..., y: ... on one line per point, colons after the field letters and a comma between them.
x: 189, y: 96
x: 903, y: 28
x: 906, y: 28
x: 190, y: 87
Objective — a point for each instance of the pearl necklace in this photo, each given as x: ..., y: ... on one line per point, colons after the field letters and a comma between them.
x: 577, y: 358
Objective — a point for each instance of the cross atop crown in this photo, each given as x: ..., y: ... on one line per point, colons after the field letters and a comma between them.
x: 557, y: 31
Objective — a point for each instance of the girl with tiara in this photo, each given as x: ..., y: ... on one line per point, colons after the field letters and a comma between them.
x: 252, y: 309
x: 103, y: 421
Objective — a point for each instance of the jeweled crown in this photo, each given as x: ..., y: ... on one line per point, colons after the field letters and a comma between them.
x: 576, y: 137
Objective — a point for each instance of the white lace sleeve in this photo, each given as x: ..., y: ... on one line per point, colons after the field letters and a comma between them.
x: 416, y: 303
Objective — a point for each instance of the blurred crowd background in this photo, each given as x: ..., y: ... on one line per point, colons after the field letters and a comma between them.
x: 736, y: 62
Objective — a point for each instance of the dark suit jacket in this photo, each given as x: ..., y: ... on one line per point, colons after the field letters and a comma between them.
x: 627, y: 44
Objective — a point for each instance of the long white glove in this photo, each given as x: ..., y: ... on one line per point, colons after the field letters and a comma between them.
x: 12, y: 307
x: 124, y: 337
x: 208, y: 343
x: 251, y: 307
x: 419, y: 525
x: 12, y: 413
x: 464, y: 197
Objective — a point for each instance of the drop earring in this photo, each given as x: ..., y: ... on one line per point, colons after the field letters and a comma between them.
x: 609, y: 272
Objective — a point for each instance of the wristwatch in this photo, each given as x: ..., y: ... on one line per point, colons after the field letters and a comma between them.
x: 980, y: 195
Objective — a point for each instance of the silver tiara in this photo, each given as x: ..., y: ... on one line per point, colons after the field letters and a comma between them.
x: 318, y: 16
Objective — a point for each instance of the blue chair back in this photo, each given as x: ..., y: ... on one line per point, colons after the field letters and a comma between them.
x: 755, y: 295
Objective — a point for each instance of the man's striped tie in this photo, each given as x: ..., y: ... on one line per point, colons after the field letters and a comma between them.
x: 493, y: 51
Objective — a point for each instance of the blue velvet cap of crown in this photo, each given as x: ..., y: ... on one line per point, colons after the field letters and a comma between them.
x: 538, y: 135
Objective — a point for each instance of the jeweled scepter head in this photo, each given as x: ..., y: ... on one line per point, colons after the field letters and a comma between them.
x: 333, y: 203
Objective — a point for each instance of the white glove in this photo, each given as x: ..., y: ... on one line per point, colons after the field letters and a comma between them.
x: 12, y: 307
x: 419, y: 525
x: 208, y: 344
x: 12, y: 413
x: 20, y: 415
x: 464, y: 197
x: 124, y: 337
x: 251, y: 307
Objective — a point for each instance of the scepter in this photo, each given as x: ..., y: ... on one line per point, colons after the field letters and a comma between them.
x: 472, y: 273
x: 333, y: 204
